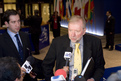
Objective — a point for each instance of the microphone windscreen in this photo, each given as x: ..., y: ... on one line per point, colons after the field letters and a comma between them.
x: 31, y: 59
x: 69, y: 49
x: 61, y: 72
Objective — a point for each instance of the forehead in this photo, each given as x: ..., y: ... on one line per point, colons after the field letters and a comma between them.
x: 14, y: 17
x: 78, y: 24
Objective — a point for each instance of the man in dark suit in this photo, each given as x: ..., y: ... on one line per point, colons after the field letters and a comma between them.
x: 109, y: 31
x: 89, y: 47
x: 14, y: 43
x: 35, y: 30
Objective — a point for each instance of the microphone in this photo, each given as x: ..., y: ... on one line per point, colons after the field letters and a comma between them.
x: 67, y: 55
x: 58, y: 78
x: 79, y: 78
x: 28, y: 64
x: 60, y: 74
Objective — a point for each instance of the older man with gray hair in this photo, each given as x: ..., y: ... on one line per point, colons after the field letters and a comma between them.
x: 84, y: 46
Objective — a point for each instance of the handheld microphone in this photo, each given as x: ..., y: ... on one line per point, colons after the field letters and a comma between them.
x: 60, y: 75
x: 67, y: 55
x: 58, y: 78
x: 28, y: 64
x: 60, y: 72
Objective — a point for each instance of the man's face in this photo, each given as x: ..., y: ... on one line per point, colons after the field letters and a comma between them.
x: 76, y: 31
x: 56, y: 13
x: 19, y: 11
x: 14, y: 23
x: 107, y: 13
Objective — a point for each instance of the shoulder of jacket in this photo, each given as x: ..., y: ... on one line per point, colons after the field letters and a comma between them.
x: 91, y: 38
x: 61, y: 39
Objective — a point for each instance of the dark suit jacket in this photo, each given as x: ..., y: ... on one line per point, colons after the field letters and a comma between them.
x: 35, y: 23
x: 8, y: 48
x: 92, y: 48
x: 110, y: 25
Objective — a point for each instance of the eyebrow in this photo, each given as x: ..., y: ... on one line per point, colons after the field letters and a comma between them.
x: 15, y: 20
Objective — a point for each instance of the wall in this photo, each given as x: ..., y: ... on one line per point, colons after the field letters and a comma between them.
x: 97, y: 27
x: 99, y: 16
x: 115, y: 7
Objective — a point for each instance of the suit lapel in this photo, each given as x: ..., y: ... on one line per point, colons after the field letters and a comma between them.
x: 23, y: 42
x: 64, y: 48
x: 11, y: 44
x: 67, y: 44
x: 86, y: 50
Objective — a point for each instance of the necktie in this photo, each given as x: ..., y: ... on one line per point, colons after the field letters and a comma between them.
x: 77, y: 58
x: 20, y: 47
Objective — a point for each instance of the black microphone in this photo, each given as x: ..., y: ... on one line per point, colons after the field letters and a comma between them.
x: 28, y: 64
x: 67, y: 55
x: 31, y: 60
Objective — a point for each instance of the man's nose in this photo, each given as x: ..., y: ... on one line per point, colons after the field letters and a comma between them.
x: 17, y: 23
x: 73, y: 34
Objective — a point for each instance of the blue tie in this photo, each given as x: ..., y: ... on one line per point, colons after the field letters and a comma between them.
x: 20, y: 47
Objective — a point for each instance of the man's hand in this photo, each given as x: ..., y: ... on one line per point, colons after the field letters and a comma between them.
x: 32, y: 74
x: 90, y: 79
x: 66, y: 69
x: 23, y: 72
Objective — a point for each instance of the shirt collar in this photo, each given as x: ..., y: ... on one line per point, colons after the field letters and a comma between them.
x: 81, y: 43
x: 109, y: 16
x: 11, y: 33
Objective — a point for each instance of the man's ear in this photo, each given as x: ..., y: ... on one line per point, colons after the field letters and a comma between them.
x: 6, y: 23
x: 84, y: 31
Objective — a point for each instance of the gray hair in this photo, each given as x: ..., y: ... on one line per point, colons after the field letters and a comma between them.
x: 77, y: 18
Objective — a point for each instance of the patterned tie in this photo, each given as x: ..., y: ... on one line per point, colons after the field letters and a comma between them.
x: 77, y: 58
x: 20, y: 47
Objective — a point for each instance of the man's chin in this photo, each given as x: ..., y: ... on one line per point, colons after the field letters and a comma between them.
x: 74, y: 41
x: 17, y: 30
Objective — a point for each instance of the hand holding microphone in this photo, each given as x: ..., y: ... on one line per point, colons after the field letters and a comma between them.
x: 23, y: 72
x: 67, y: 55
x: 32, y: 74
x: 66, y: 69
x: 61, y: 74
x: 28, y: 66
